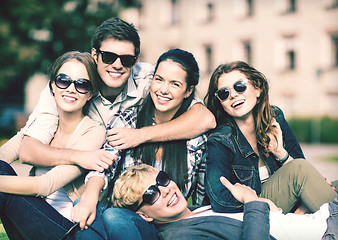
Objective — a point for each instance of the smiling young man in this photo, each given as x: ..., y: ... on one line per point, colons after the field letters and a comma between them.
x: 125, y: 81
x: 156, y: 198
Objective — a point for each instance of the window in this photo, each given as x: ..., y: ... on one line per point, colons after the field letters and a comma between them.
x: 209, y: 63
x: 244, y: 8
x: 290, y: 53
x: 334, y: 41
x: 247, y: 51
x: 210, y: 12
x: 174, y: 12
x: 286, y: 6
x: 331, y: 4
x: 290, y: 59
x: 291, y: 6
x: 285, y: 56
x: 249, y: 6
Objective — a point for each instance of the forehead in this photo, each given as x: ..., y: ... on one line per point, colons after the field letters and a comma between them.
x: 149, y: 180
x: 118, y: 46
x: 227, y: 79
x: 171, y: 70
x: 74, y: 69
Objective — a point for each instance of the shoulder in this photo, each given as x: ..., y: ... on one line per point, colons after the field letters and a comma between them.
x: 90, y: 123
x: 277, y: 113
x: 220, y: 132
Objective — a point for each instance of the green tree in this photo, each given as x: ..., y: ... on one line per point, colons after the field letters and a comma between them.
x: 33, y: 33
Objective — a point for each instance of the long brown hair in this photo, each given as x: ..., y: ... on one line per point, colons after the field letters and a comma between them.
x: 262, y: 112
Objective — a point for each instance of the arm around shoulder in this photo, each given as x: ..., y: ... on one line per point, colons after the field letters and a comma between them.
x: 197, y: 120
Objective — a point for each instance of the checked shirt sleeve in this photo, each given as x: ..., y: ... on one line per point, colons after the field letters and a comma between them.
x: 119, y: 120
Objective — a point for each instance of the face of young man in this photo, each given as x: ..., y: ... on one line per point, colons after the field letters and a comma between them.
x: 170, y: 206
x: 113, y: 75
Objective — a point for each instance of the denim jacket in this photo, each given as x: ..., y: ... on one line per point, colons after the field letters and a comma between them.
x: 229, y: 154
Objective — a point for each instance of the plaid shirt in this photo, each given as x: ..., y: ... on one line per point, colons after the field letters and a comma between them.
x: 196, y: 148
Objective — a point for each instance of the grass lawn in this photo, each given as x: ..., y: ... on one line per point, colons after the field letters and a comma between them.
x: 3, y: 235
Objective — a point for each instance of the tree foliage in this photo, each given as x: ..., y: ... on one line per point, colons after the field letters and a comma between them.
x: 33, y: 33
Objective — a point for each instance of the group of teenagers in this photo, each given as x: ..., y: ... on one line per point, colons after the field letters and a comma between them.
x: 119, y: 147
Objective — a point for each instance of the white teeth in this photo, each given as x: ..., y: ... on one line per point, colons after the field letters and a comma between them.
x: 163, y: 98
x: 69, y: 98
x: 172, y: 200
x: 115, y: 74
x: 235, y: 104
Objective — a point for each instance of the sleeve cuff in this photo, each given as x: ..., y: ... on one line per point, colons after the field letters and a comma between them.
x: 97, y: 174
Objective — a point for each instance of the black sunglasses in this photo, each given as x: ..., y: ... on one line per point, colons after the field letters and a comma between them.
x: 109, y: 58
x: 82, y: 85
x: 152, y: 194
x: 239, y: 86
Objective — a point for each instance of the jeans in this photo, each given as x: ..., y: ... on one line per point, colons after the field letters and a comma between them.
x: 28, y: 217
x: 125, y: 224
x: 332, y: 222
x: 295, y: 180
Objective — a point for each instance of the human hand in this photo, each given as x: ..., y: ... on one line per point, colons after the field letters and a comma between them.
x: 84, y: 213
x: 124, y: 138
x: 276, y: 141
x: 242, y: 193
x: 97, y: 160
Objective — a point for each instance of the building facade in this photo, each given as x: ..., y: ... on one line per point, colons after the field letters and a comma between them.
x: 293, y: 42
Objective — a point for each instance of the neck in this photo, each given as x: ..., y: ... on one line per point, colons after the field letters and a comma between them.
x: 183, y: 215
x: 246, y: 125
x: 69, y: 121
x: 111, y: 93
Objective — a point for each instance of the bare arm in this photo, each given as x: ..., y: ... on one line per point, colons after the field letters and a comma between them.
x: 197, y: 120
x: 85, y: 211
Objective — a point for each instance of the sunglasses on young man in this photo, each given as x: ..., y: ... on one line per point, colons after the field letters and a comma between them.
x: 152, y: 194
x: 82, y: 85
x: 110, y: 57
x: 239, y: 86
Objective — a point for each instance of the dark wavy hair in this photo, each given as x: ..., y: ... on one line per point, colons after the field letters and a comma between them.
x: 87, y: 60
x: 262, y: 112
x: 174, y: 155
x: 117, y: 29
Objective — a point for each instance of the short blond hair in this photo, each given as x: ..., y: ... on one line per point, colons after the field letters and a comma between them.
x: 129, y: 187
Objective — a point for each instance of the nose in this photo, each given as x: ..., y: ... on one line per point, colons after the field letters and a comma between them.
x: 232, y: 93
x: 164, y: 190
x: 164, y: 88
x: 71, y: 87
x: 117, y: 64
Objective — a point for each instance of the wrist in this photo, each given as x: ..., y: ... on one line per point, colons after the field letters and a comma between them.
x: 283, y: 158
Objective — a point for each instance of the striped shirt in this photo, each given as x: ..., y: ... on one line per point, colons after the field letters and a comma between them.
x: 196, y: 148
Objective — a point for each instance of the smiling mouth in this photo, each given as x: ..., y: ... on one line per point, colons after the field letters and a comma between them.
x: 162, y: 98
x: 173, y: 200
x: 237, y: 103
x: 115, y: 74
x: 69, y: 99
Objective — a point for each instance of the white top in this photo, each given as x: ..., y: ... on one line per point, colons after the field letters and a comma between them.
x: 285, y: 226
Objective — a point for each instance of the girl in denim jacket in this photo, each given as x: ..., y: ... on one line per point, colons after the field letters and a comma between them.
x: 254, y: 145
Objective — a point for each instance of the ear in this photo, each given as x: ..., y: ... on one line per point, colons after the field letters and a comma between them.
x: 258, y: 92
x: 94, y: 54
x: 145, y: 216
x: 188, y: 92
x: 53, y: 88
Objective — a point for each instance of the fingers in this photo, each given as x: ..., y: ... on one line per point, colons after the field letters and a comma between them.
x: 226, y: 183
